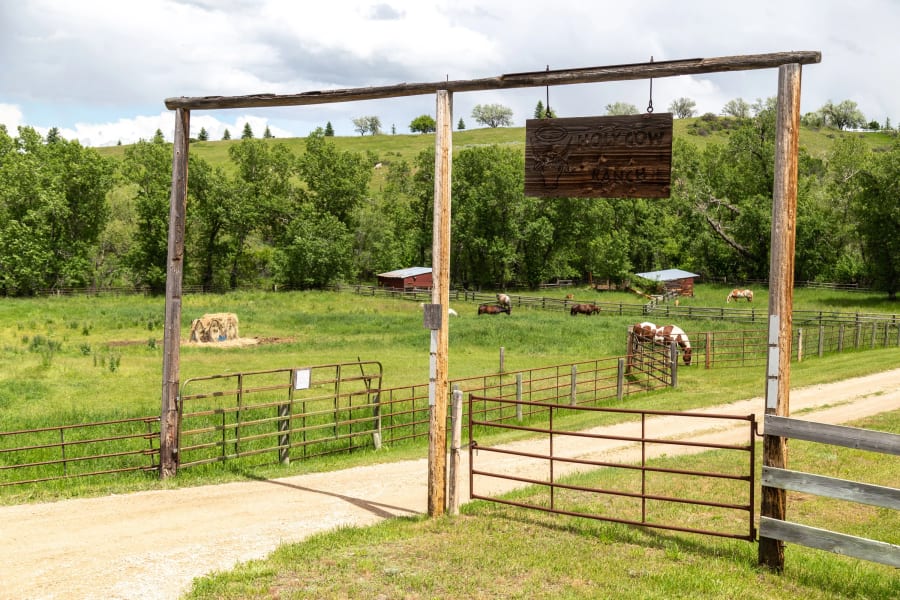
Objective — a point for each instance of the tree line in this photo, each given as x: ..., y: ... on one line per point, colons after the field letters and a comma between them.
x: 71, y: 218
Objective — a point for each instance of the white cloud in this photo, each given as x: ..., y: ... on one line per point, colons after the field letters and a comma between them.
x: 11, y: 116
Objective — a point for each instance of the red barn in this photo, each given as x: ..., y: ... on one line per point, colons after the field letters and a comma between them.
x: 675, y: 280
x: 404, y: 279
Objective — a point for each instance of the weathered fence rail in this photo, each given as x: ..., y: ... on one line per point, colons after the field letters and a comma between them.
x: 830, y: 487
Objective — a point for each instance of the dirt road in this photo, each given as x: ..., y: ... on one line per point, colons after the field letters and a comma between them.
x: 150, y: 545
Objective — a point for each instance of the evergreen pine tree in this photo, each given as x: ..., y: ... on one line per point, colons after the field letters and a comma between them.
x: 203, y: 135
x: 329, y: 130
x: 461, y: 124
x: 247, y: 134
x: 226, y: 135
x: 267, y: 134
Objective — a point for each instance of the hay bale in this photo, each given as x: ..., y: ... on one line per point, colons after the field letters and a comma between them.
x: 217, y: 327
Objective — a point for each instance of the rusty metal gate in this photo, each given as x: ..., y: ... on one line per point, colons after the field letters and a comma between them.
x: 628, y: 471
x: 280, y: 414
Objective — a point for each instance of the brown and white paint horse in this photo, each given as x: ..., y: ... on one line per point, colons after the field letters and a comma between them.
x: 644, y: 330
x: 672, y: 333
x: 737, y: 294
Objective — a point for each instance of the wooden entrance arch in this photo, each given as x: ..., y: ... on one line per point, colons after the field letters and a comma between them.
x: 781, y: 275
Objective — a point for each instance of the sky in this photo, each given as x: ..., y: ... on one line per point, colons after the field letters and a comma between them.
x: 100, y: 70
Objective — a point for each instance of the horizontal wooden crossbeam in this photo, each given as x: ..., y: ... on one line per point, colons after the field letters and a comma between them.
x: 672, y: 68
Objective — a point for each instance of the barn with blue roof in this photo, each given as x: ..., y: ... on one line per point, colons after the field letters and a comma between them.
x: 675, y: 280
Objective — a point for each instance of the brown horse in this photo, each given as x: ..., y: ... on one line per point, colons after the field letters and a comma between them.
x: 584, y: 309
x: 737, y: 294
x: 493, y: 309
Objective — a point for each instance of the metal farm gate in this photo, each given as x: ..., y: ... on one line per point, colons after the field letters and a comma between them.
x: 287, y: 413
x: 606, y: 473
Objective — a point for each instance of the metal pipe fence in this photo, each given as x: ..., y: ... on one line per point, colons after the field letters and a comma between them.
x: 576, y: 472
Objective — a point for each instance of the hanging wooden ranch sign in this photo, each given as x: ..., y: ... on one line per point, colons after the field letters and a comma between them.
x: 599, y: 157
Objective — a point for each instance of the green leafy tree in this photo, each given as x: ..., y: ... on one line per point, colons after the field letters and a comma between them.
x: 52, y: 211
x: 337, y: 181
x: 316, y: 252
x: 492, y: 115
x: 148, y: 166
x: 203, y: 136
x: 621, y: 109
x: 738, y: 107
x: 329, y: 130
x: 682, y: 108
x: 247, y: 134
x: 423, y: 124
x: 844, y: 115
x: 263, y: 205
x: 369, y: 124
x: 878, y: 214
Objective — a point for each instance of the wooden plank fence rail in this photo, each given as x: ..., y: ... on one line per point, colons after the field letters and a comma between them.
x: 831, y: 487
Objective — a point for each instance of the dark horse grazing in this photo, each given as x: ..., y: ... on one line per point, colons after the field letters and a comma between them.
x: 672, y: 333
x: 493, y: 309
x: 584, y: 309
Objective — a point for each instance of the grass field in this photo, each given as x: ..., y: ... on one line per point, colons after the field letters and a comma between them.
x: 85, y: 359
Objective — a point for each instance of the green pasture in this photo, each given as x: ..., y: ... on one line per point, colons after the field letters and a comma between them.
x: 498, y: 551
x: 80, y: 359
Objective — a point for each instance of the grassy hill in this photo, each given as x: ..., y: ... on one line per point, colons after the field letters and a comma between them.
x: 391, y: 148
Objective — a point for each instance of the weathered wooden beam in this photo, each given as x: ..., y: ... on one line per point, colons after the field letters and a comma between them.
x: 440, y: 294
x: 781, y: 299
x: 838, y: 435
x: 168, y: 417
x: 672, y: 68
x: 832, y: 487
x: 838, y: 543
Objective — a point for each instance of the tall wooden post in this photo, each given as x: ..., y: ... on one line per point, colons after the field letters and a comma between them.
x: 781, y: 288
x: 168, y: 415
x: 440, y: 294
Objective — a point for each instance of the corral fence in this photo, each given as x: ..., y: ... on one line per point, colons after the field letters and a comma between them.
x: 558, y: 464
x: 831, y: 487
x: 280, y: 415
x: 80, y: 450
x: 740, y: 348
x: 654, y: 309
x: 305, y: 412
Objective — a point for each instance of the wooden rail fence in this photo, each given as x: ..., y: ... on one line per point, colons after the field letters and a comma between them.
x: 841, y: 489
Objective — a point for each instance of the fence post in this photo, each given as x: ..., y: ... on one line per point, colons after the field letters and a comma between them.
x: 841, y: 337
x: 821, y: 340
x: 518, y: 397
x: 799, y: 344
x: 858, y: 335
x: 629, y: 353
x: 455, y: 442
x: 874, y: 327
x: 501, y: 358
x: 673, y: 359
x: 573, y: 385
x: 620, y: 379
x: 708, y: 351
